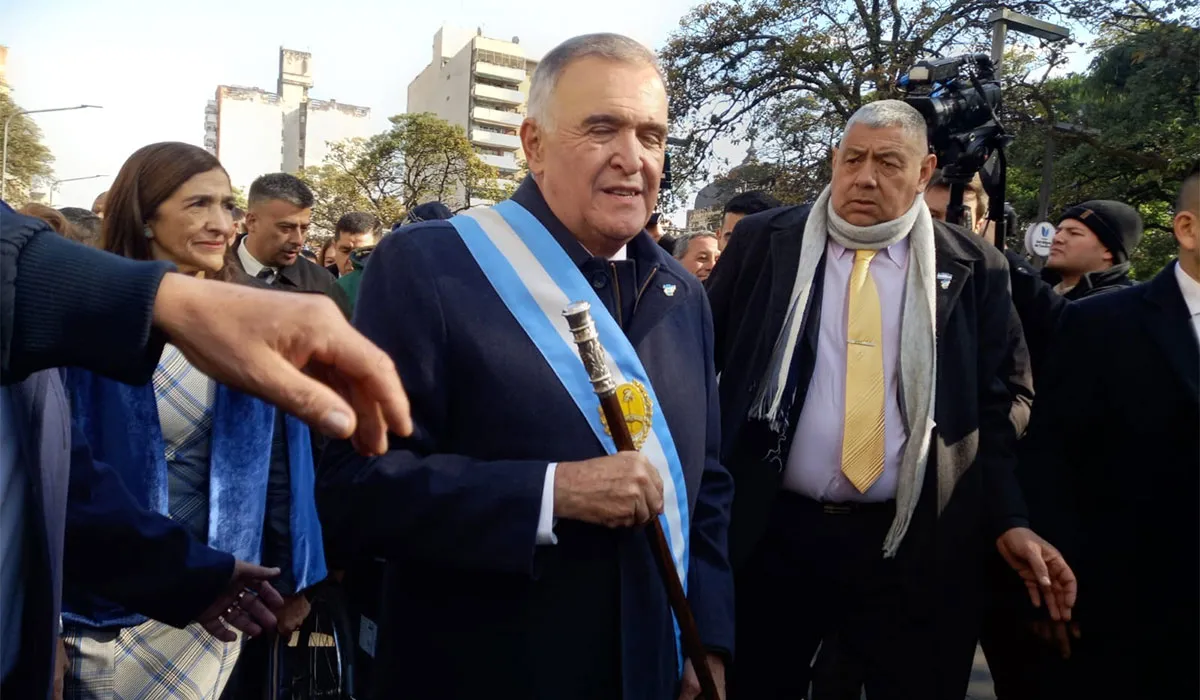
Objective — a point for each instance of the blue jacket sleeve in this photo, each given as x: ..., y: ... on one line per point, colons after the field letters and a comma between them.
x: 418, y: 500
x: 710, y: 576
x: 141, y: 560
x: 68, y: 305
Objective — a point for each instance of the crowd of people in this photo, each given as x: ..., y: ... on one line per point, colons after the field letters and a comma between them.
x: 833, y: 406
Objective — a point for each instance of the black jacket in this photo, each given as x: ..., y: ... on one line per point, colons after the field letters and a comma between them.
x: 303, y: 276
x: 1111, y: 467
x: 1040, y: 307
x: 978, y: 345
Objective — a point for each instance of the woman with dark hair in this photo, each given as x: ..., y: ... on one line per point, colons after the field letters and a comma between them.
x: 215, y: 460
x: 171, y: 201
x: 326, y: 257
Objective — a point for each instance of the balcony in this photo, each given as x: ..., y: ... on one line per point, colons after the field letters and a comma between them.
x: 505, y: 164
x: 506, y: 142
x: 496, y: 117
x: 516, y: 76
x: 496, y: 94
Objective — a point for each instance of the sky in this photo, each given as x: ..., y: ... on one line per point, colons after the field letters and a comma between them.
x: 153, y: 66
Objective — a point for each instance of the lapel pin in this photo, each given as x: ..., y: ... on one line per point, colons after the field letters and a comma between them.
x: 944, y: 279
x: 669, y: 290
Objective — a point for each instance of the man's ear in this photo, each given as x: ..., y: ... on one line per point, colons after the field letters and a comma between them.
x: 250, y: 220
x: 928, y: 164
x: 1187, y: 230
x: 533, y: 138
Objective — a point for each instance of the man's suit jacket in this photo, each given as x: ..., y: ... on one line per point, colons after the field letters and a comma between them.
x: 476, y: 608
x: 303, y: 276
x: 1112, y: 468
x: 84, y: 529
x: 1041, y: 308
x: 977, y: 339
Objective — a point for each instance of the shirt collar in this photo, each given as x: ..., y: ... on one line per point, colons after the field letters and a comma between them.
x: 1190, y: 289
x: 622, y: 254
x: 896, y: 252
x: 249, y: 263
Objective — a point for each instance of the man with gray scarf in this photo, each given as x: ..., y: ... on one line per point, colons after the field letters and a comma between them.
x: 865, y: 411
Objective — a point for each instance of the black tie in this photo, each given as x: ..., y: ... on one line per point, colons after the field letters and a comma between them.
x: 267, y: 275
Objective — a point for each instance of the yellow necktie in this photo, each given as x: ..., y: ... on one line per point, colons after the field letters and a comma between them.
x: 862, y: 441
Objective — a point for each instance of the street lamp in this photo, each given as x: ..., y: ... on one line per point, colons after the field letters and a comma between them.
x: 1003, y: 20
x: 55, y: 183
x: 4, y: 161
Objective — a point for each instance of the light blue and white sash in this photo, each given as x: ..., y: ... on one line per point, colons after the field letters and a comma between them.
x: 536, y: 280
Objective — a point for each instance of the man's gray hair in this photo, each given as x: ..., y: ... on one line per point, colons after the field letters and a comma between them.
x: 889, y: 113
x: 684, y: 241
x: 614, y: 47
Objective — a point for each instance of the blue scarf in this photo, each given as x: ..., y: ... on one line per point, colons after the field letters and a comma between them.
x: 122, y: 427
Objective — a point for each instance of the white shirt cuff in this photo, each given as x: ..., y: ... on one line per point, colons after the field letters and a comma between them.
x: 546, y: 519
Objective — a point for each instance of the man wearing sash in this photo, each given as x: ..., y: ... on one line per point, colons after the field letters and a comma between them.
x: 518, y: 564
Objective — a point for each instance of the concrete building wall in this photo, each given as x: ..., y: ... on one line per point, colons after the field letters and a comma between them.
x: 249, y: 123
x: 255, y: 131
x: 455, y: 89
x: 444, y: 86
x: 295, y: 78
x: 449, y: 40
x: 329, y: 122
x: 481, y: 84
x: 210, y: 126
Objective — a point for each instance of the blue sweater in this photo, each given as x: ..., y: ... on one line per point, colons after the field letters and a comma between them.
x: 73, y: 306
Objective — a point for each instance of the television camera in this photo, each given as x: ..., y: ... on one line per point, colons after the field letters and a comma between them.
x: 959, y: 98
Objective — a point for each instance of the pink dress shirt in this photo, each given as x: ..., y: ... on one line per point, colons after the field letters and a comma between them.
x: 814, y: 466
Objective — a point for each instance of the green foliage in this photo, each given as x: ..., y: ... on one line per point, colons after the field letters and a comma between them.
x: 350, y: 180
x: 431, y: 159
x: 239, y: 198
x: 787, y: 74
x: 421, y: 158
x: 28, y: 158
x: 1127, y: 130
x: 791, y: 72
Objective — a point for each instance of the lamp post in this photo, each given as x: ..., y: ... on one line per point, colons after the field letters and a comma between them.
x: 55, y: 183
x: 1002, y: 21
x: 8, y: 121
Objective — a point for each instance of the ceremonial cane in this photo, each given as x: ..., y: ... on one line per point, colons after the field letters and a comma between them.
x: 579, y: 318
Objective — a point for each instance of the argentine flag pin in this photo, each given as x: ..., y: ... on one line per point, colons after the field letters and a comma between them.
x: 669, y: 290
